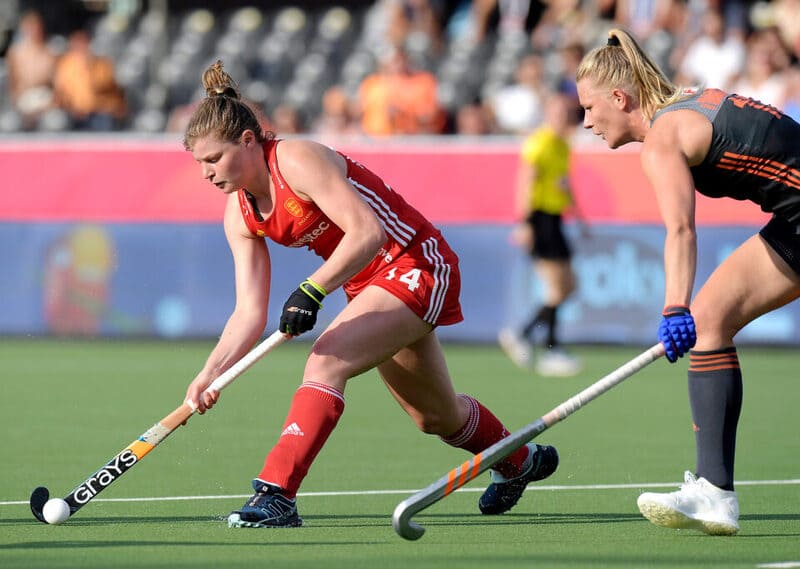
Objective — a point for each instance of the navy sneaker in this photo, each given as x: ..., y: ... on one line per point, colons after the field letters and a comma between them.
x: 267, y: 508
x: 503, y: 493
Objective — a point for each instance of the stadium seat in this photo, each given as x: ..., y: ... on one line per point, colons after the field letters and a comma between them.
x: 149, y: 120
x: 284, y: 54
x: 110, y: 34
x: 10, y: 121
x: 54, y: 120
x: 460, y: 73
x: 244, y: 26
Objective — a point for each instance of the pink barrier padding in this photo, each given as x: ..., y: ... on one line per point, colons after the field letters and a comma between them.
x: 450, y: 182
x: 105, y: 182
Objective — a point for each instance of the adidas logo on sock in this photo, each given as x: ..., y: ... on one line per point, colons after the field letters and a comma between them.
x: 293, y: 429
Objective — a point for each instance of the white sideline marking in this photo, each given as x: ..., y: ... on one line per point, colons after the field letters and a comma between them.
x: 790, y: 481
x: 779, y: 565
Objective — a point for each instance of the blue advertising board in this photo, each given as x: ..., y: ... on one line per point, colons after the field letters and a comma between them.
x: 176, y: 281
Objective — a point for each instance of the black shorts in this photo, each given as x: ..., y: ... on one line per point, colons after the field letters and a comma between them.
x: 784, y: 237
x: 549, y: 241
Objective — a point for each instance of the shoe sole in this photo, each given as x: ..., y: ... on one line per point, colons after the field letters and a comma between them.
x: 234, y: 521
x: 664, y: 516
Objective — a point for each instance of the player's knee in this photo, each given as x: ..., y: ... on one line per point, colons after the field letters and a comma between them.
x: 712, y: 326
x: 331, y: 371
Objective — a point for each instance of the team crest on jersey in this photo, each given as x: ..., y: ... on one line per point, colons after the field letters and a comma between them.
x: 293, y: 207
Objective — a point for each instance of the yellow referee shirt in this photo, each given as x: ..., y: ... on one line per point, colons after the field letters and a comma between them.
x: 548, y: 154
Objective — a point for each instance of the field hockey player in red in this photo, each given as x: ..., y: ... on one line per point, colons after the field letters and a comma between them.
x: 721, y: 145
x: 399, y: 274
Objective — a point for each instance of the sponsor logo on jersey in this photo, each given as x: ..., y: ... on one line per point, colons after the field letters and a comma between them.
x: 293, y: 207
x: 383, y: 253
x: 105, y: 476
x: 312, y: 235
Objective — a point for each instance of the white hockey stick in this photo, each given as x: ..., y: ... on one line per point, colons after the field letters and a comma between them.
x: 459, y: 476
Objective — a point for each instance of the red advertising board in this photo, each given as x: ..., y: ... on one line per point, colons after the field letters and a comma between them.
x: 450, y: 181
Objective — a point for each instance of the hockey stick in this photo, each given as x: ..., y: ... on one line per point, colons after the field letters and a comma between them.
x: 459, y: 476
x: 139, y: 448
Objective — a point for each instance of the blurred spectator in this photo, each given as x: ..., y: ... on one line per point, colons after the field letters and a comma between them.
x: 416, y: 25
x: 563, y: 22
x: 602, y: 10
x: 643, y: 17
x: 791, y: 98
x: 472, y: 120
x: 659, y: 24
x: 715, y: 57
x: 570, y: 57
x: 179, y: 116
x: 517, y: 108
x: 286, y: 119
x: 337, y: 116
x: 474, y: 20
x: 761, y: 78
x: 479, y: 18
x: 786, y: 16
x: 31, y: 66
x: 398, y: 99
x: 770, y: 40
x: 86, y: 88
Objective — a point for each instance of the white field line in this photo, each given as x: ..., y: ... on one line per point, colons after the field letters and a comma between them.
x: 791, y: 481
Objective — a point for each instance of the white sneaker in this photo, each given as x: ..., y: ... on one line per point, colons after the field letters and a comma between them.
x: 515, y: 347
x: 557, y: 362
x: 697, y: 505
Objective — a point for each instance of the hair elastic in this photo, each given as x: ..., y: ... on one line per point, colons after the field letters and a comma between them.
x: 225, y: 92
x: 613, y: 41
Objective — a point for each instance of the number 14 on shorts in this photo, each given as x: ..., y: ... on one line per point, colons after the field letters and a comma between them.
x: 410, y: 278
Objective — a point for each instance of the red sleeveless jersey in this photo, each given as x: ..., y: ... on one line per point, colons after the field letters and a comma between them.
x: 296, y: 222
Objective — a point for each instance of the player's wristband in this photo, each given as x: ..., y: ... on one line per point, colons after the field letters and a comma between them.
x: 675, y: 309
x: 314, y: 291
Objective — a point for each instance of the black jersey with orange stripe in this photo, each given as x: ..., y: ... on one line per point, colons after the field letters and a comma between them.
x: 754, y: 153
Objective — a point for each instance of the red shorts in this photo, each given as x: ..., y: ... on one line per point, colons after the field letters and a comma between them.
x: 425, y: 276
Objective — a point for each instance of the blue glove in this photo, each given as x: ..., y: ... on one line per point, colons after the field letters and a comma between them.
x: 676, y: 332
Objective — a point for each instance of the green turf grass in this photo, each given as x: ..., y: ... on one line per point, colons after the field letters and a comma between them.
x: 68, y: 407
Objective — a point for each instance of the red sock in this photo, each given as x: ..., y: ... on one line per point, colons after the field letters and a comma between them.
x: 481, y: 431
x: 314, y: 412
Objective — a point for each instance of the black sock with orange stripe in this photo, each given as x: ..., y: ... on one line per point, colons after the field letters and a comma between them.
x: 715, y: 395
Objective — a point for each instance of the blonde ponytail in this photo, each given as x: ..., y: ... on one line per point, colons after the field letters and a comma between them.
x: 622, y: 63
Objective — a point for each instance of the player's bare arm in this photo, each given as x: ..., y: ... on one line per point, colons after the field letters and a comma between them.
x: 318, y: 173
x: 526, y: 174
x: 666, y: 165
x: 246, y: 323
x: 522, y: 234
